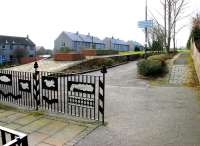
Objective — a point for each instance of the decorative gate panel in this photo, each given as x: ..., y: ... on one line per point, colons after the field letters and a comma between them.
x: 17, y: 88
x: 52, y: 91
x: 82, y: 92
x: 74, y: 94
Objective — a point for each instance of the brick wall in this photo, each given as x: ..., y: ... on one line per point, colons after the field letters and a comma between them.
x: 88, y: 52
x: 196, y: 59
x: 67, y: 56
x: 25, y: 60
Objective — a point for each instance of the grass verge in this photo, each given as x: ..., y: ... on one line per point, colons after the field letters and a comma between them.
x: 130, y: 52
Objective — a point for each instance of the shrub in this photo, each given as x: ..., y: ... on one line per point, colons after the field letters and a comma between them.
x: 101, y: 52
x: 196, y: 21
x: 119, y: 59
x: 92, y: 64
x: 138, y: 48
x: 151, y: 67
x: 19, y: 53
x: 189, y: 42
x: 161, y: 57
x: 196, y: 33
x: 65, y: 49
x: 157, y: 46
x: 108, y: 62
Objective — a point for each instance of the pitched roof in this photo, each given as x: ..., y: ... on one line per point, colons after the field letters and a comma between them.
x: 97, y: 40
x: 15, y: 40
x: 120, y: 42
x: 83, y: 38
x: 73, y: 36
x: 86, y: 38
x: 117, y: 41
x: 134, y: 43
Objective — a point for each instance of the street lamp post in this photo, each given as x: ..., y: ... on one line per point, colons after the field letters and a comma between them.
x: 146, y: 35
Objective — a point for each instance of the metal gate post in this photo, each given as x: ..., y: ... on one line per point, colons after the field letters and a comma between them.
x: 36, y: 85
x: 103, y: 71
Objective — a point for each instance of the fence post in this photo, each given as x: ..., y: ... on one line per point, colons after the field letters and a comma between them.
x: 36, y: 85
x: 25, y: 141
x: 103, y: 71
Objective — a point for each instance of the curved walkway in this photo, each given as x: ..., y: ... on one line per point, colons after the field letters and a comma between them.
x: 138, y: 114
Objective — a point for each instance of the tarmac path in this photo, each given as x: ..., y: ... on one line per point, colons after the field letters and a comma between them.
x: 138, y: 114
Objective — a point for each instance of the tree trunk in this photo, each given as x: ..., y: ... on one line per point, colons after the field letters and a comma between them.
x: 165, y: 23
x: 169, y: 26
x: 174, y: 37
x: 174, y: 28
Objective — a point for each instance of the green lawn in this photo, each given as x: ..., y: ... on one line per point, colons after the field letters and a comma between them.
x: 183, y: 50
x: 130, y: 52
x: 142, y: 52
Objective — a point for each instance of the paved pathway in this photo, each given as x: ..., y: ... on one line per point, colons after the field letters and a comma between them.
x: 44, y: 130
x: 50, y: 65
x: 138, y: 114
x: 179, y: 72
x: 45, y: 65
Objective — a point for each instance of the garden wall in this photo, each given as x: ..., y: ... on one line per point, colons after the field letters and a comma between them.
x: 67, y: 56
x: 25, y: 60
x: 196, y: 58
x: 88, y: 52
x: 132, y: 57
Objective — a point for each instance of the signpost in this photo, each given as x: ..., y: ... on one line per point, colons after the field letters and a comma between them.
x: 145, y: 24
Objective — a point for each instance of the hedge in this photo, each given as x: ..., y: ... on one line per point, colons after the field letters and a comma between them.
x: 151, y: 67
x: 102, y: 52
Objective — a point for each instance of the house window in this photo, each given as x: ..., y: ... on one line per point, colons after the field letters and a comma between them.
x: 3, y: 46
x: 11, y: 47
x: 75, y: 45
x: 63, y: 44
x: 88, y: 45
x: 11, y: 58
x: 32, y: 48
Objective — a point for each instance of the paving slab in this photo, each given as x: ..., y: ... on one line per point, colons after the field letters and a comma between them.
x: 27, y: 119
x: 13, y: 126
x: 36, y: 138
x: 65, y: 135
x: 35, y: 125
x: 6, y: 114
x: 13, y: 117
x: 45, y: 144
x: 53, y: 127
x: 43, y: 130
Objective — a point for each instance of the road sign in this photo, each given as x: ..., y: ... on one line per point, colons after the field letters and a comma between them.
x: 145, y: 24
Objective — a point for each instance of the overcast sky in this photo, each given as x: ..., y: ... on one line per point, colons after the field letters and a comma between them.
x: 44, y: 20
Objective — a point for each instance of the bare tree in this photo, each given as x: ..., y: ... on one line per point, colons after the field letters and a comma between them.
x: 156, y: 33
x: 173, y: 12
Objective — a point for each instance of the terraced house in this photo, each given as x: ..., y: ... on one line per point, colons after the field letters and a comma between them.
x: 77, y: 41
x: 9, y: 43
x: 116, y: 44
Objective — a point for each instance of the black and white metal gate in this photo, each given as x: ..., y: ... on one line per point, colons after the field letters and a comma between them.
x: 77, y: 95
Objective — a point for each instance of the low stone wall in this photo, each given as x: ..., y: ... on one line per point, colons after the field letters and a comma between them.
x: 88, y: 52
x: 71, y: 56
x: 132, y: 57
x: 196, y: 58
x: 25, y: 60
